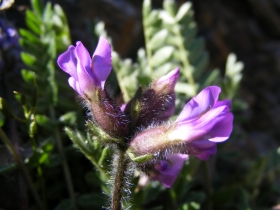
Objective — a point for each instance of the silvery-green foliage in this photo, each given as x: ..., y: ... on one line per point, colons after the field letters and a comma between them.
x: 171, y: 40
x: 232, y: 77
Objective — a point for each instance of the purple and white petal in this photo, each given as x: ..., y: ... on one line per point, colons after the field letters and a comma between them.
x: 191, y: 130
x: 75, y: 85
x: 200, y: 104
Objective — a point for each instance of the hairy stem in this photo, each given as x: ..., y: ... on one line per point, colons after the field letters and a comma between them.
x: 119, y: 181
x: 22, y: 167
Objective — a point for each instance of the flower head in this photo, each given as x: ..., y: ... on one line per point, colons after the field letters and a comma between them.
x: 203, y: 122
x: 87, y: 74
x: 88, y: 77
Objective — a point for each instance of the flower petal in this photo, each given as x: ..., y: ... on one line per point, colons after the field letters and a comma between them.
x: 84, y: 59
x: 171, y: 79
x: 205, y: 154
x: 75, y: 85
x: 225, y: 102
x: 188, y: 131
x: 200, y: 104
x: 170, y: 168
x: 222, y: 130
x: 67, y: 61
x: 101, y: 61
x: 85, y: 76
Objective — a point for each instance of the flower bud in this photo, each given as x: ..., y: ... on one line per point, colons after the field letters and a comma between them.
x: 108, y: 115
x: 157, y: 103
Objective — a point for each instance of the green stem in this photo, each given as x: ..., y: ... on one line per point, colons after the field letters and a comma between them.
x: 172, y: 194
x: 64, y: 160
x: 86, y: 152
x: 91, y: 158
x: 119, y: 181
x: 124, y: 91
x: 209, y: 183
x: 22, y: 167
x: 184, y: 57
x: 148, y: 49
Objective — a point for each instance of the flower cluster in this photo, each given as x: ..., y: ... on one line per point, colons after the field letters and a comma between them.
x: 154, y: 144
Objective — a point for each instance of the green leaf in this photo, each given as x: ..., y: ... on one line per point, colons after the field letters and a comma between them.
x: 37, y: 6
x: 31, y: 16
x: 164, y: 69
x: 103, y: 156
x: 162, y: 55
x: 29, y: 36
x: 69, y: 118
x: 170, y: 7
x: 146, y: 8
x: 167, y: 18
x: 232, y: 66
x: 43, y: 120
x: 33, y: 25
x: 28, y: 59
x: 48, y: 13
x: 185, y: 88
x: 28, y: 76
x: 58, y: 10
x: 158, y: 39
x: 152, y: 19
x: 32, y: 128
x: 2, y: 119
x: 183, y: 11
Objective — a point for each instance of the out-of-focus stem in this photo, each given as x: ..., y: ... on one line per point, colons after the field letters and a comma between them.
x: 64, y: 161
x: 39, y: 171
x: 22, y: 167
x: 209, y: 183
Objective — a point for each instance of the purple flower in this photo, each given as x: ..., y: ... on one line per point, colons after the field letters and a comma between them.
x: 88, y: 77
x: 203, y: 122
x: 87, y: 74
x: 8, y: 36
x: 166, y: 171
